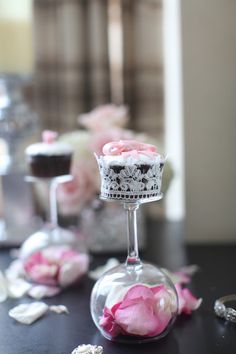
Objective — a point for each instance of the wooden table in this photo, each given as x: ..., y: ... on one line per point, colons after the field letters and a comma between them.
x: 201, y: 333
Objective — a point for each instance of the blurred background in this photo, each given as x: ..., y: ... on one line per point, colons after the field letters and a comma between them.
x: 171, y: 62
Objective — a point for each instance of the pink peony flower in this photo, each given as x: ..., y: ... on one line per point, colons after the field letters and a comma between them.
x: 143, y: 311
x: 56, y: 265
x: 105, y: 117
x: 187, y: 301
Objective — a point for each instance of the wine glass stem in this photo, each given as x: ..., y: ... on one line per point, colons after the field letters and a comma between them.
x: 133, y: 260
x: 53, y: 219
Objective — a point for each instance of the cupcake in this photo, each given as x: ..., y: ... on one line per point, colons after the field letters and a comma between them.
x: 130, y: 170
x: 49, y: 158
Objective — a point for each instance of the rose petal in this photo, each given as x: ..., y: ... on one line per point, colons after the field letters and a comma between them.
x: 165, y: 301
x: 44, y: 274
x: 178, y: 277
x: 191, y: 302
x: 139, y: 291
x: 137, y: 318
x: 56, y: 265
x: 107, y: 321
x: 72, y: 270
x: 58, y: 254
x: 187, y: 301
x: 28, y: 313
x: 181, y: 278
x: 59, y: 309
x: 97, y: 273
x: 143, y: 310
x: 18, y: 288
x: 189, y: 270
x: 40, y: 291
x: 158, y: 288
x: 181, y: 299
x: 15, y: 270
x: 115, y: 293
x: 3, y: 288
x: 136, y: 312
x: 39, y: 269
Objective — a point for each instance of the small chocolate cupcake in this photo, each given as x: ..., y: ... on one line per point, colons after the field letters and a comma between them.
x: 50, y: 158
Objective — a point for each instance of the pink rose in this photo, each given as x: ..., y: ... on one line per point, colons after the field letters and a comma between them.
x: 143, y: 311
x: 105, y: 117
x: 56, y: 265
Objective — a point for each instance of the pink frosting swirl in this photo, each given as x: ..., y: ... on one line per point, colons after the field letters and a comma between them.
x: 49, y: 136
x: 127, y: 148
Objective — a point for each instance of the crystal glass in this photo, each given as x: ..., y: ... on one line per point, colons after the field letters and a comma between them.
x: 51, y: 233
x: 53, y: 256
x: 134, y: 302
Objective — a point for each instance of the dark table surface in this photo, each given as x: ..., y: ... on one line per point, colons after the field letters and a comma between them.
x: 200, y: 333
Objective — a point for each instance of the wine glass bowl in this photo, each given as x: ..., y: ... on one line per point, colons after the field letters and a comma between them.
x: 109, y: 292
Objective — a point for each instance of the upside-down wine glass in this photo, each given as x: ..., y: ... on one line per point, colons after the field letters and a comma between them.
x: 49, y: 170
x: 134, y: 302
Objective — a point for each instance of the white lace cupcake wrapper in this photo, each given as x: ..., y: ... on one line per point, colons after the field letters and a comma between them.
x: 130, y: 182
